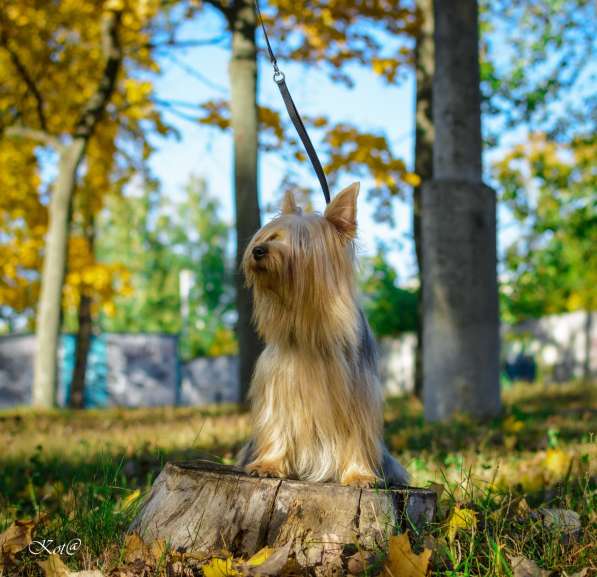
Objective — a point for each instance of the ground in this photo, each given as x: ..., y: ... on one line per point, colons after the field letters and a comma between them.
x: 79, y: 475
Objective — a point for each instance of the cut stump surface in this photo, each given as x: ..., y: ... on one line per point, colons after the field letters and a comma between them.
x: 206, y: 508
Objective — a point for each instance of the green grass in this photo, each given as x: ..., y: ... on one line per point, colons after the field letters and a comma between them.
x: 75, y: 470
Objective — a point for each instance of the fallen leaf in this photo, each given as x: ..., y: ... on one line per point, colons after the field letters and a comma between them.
x: 92, y: 573
x: 158, y: 550
x: 582, y: 573
x: 522, y: 508
x: 358, y: 563
x: 129, y: 500
x: 16, y: 537
x: 461, y: 519
x: 398, y: 441
x: 219, y: 568
x: 510, y: 442
x: 557, y: 462
x: 532, y: 480
x: 523, y: 567
x: 54, y: 567
x: 273, y: 564
x: 261, y: 556
x: 134, y: 548
x: 512, y: 425
x: 402, y: 562
x: 566, y: 521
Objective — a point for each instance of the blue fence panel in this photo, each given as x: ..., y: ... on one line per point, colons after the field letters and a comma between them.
x: 96, y: 376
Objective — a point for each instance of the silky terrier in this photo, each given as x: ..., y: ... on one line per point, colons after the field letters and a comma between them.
x: 316, y: 397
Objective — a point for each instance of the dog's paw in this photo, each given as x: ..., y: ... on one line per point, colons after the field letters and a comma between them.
x: 265, y: 469
x: 358, y: 480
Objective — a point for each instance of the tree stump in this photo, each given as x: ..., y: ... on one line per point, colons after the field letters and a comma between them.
x: 206, y: 508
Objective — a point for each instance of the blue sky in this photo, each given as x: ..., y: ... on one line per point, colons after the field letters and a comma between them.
x: 206, y: 152
x: 371, y: 105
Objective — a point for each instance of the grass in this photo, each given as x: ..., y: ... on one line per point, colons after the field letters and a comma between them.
x: 79, y: 472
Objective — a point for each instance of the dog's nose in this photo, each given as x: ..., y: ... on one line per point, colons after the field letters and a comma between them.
x: 259, y: 252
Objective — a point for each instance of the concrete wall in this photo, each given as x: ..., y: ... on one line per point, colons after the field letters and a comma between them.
x: 143, y: 370
x: 564, y: 347
x: 123, y: 370
x: 210, y: 380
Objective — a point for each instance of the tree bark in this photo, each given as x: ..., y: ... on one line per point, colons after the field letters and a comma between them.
x: 461, y: 329
x: 244, y: 120
x: 55, y: 258
x: 49, y: 308
x: 424, y: 137
x: 83, y: 344
x: 85, y: 320
x: 203, y: 508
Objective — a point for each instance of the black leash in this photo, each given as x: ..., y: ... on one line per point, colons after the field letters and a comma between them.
x: 279, y: 79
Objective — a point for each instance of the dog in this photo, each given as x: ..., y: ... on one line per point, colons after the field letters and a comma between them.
x: 316, y: 397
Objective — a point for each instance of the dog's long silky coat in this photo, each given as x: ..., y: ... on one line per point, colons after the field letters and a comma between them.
x: 316, y: 398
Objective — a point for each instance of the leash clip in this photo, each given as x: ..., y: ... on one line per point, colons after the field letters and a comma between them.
x: 278, y: 76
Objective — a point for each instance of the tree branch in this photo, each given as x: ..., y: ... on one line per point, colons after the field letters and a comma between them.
x: 27, y: 79
x: 189, y: 43
x: 196, y: 74
x: 96, y: 105
x: 33, y: 134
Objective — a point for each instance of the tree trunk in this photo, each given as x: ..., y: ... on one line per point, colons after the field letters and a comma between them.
x: 461, y: 329
x: 84, y: 334
x: 85, y: 323
x: 243, y: 83
x: 203, y: 508
x: 423, y: 156
x: 54, y: 266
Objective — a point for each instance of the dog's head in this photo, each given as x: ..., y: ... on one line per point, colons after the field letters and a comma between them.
x: 304, y: 253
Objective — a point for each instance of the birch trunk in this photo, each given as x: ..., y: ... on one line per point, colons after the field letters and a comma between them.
x: 56, y: 254
x: 49, y: 308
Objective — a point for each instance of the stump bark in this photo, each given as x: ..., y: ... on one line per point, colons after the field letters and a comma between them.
x: 206, y: 508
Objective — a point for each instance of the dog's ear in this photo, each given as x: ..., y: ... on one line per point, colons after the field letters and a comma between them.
x: 342, y: 211
x: 289, y: 205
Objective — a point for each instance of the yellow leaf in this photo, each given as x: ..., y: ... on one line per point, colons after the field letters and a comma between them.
x: 402, y: 562
x: 54, y: 567
x: 130, y: 499
x: 461, y: 519
x: 512, y: 425
x: 261, y: 556
x: 510, y: 442
x: 532, y: 480
x: 411, y: 178
x: 219, y: 568
x: 557, y: 462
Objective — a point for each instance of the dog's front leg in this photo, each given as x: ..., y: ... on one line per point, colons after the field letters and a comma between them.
x: 263, y: 461
x: 265, y: 468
